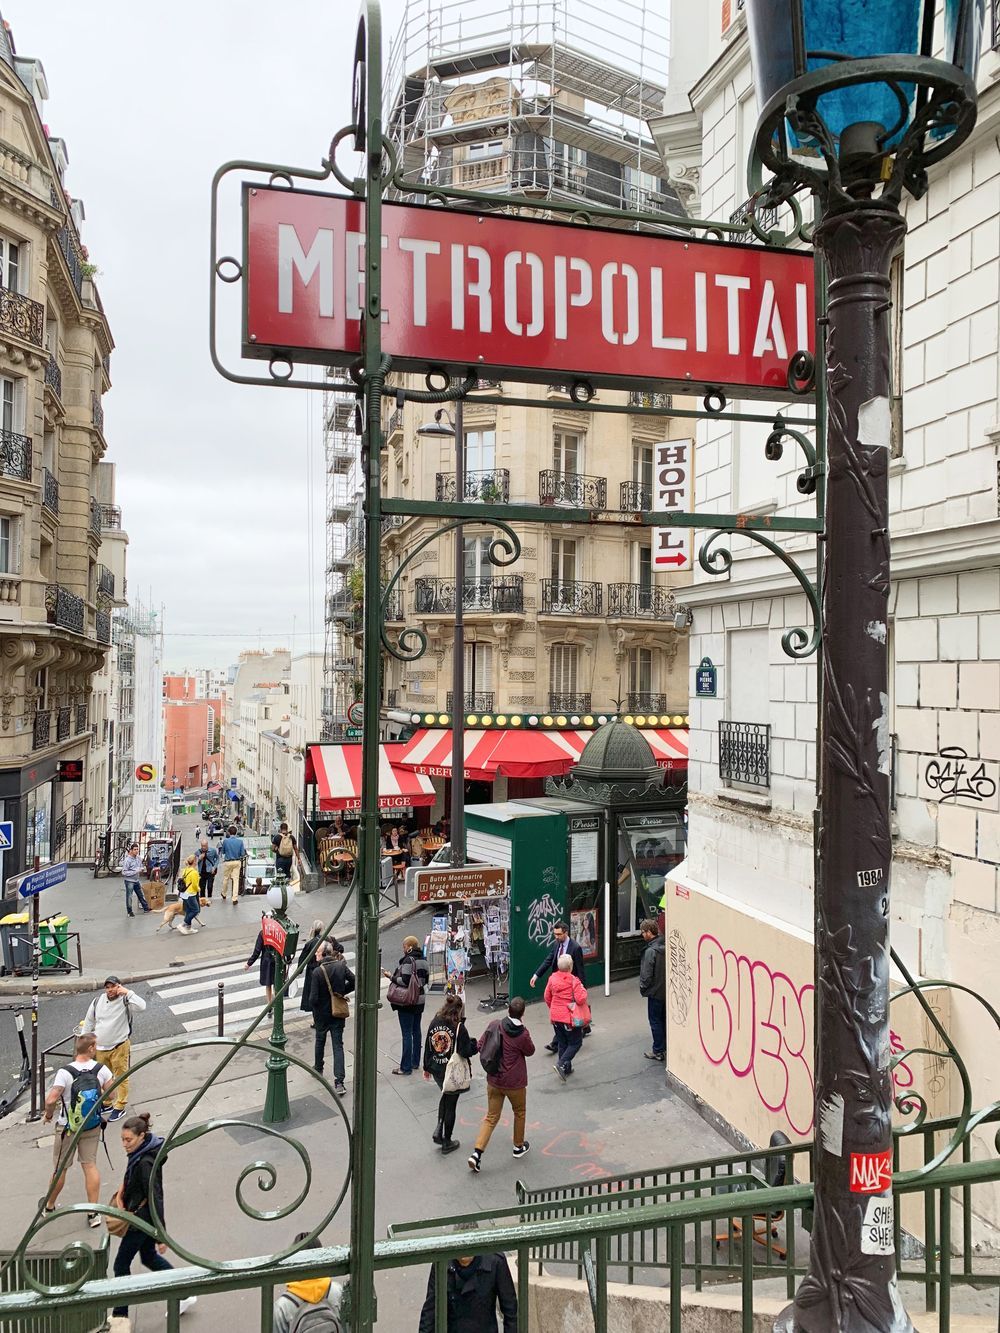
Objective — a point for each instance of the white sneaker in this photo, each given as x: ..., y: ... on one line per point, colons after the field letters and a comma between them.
x: 184, y: 930
x: 186, y: 1304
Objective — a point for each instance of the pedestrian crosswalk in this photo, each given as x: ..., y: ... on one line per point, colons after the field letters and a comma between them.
x: 192, y: 995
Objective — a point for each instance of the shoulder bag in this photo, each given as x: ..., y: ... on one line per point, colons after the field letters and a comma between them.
x: 116, y: 1226
x: 458, y: 1071
x: 339, y: 1008
x: 406, y: 996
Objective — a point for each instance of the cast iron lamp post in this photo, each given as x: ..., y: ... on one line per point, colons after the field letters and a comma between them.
x: 276, y: 1106
x: 443, y: 427
x: 855, y: 108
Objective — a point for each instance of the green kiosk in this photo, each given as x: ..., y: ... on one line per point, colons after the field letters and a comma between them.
x: 594, y: 852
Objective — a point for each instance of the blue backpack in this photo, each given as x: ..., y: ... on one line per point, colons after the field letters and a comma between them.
x: 83, y: 1103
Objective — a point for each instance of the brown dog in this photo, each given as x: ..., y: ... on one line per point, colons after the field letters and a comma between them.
x: 170, y: 911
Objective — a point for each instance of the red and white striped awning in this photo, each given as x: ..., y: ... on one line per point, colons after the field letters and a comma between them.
x: 336, y: 770
x: 517, y: 753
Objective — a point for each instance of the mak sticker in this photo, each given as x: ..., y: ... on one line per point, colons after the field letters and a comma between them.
x: 876, y: 1228
x: 871, y: 1172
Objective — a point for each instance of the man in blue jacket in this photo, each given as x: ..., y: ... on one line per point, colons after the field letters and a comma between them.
x: 234, y: 849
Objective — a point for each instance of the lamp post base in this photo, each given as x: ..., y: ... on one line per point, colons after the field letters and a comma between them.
x: 276, y: 1106
x: 792, y: 1320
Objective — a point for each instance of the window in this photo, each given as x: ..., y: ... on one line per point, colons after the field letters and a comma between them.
x: 476, y: 551
x: 6, y: 545
x: 642, y: 567
x: 642, y: 465
x: 640, y: 671
x: 480, y: 450
x: 563, y: 568
x: 478, y: 668
x: 8, y: 403
x: 477, y: 151
x: 11, y: 266
x: 567, y: 454
x: 563, y: 665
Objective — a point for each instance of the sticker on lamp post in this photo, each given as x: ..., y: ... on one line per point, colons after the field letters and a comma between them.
x: 871, y: 1172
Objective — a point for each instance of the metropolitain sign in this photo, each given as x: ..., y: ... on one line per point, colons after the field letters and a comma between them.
x: 536, y: 300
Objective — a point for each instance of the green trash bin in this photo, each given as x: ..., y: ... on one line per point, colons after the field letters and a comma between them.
x: 53, y: 941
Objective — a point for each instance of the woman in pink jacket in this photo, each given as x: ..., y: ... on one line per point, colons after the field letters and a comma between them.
x: 566, y: 996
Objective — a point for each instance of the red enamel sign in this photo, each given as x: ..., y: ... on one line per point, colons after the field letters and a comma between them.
x: 534, y: 299
x: 274, y: 934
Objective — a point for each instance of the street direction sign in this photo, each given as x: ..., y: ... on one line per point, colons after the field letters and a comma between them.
x: 42, y: 879
x: 673, y: 488
x: 6, y: 835
x: 447, y: 883
x: 537, y: 299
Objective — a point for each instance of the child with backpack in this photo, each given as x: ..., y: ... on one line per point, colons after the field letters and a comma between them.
x: 503, y: 1049
x: 76, y: 1100
x: 309, y: 1306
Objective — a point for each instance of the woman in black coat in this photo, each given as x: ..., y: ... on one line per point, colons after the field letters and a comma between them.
x: 445, y: 1036
x: 307, y: 955
x: 266, y: 957
x: 410, y: 1015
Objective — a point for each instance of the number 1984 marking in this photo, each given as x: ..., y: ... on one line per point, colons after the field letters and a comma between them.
x: 869, y: 878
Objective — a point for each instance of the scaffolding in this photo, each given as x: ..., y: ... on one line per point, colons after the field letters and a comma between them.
x: 343, y: 507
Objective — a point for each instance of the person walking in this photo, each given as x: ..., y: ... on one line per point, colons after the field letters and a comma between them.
x: 307, y: 955
x: 234, y: 849
x: 189, y: 888
x: 110, y: 1019
x: 266, y: 957
x: 447, y: 1036
x: 566, y: 997
x: 332, y: 982
x: 412, y: 963
x: 208, y: 865
x: 653, y: 985
x: 75, y: 1100
x: 134, y: 1197
x: 562, y: 944
x: 319, y: 1297
x: 131, y: 870
x: 475, y: 1286
x: 509, y: 1042
x: 286, y: 849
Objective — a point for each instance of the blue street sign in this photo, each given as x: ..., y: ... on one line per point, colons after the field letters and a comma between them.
x: 42, y: 879
x: 6, y: 835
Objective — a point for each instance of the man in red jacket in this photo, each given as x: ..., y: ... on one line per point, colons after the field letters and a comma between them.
x: 510, y: 1083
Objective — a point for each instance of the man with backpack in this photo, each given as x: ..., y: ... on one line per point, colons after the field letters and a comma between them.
x: 109, y: 1018
x: 75, y: 1099
x: 503, y: 1049
x: 285, y: 848
x: 309, y: 1306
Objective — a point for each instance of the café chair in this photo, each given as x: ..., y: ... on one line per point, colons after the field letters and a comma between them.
x: 765, y: 1226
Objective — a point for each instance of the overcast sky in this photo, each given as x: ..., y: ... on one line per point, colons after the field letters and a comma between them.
x: 213, y: 478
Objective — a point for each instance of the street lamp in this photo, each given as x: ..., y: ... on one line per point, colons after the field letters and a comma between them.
x: 856, y: 108
x: 281, y: 935
x: 444, y: 427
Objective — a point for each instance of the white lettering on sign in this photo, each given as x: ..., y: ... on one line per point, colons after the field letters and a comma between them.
x: 674, y: 489
x: 867, y: 879
x: 877, y: 1227
x: 291, y: 256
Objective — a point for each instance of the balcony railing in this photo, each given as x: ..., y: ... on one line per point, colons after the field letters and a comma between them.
x: 15, y: 455
x: 50, y: 491
x: 572, y: 598
x: 572, y: 488
x: 636, y: 498
x: 111, y: 517
x: 21, y: 316
x: 53, y: 376
x: 644, y: 702
x: 105, y: 581
x: 73, y: 262
x: 394, y: 607
x: 81, y: 718
x: 395, y: 423
x: 661, y: 402
x: 569, y: 703
x: 636, y: 601
x: 64, y: 608
x: 996, y: 25
x: 479, y: 701
x: 42, y: 729
x: 745, y: 753
x: 492, y: 487
x: 499, y: 596
x: 96, y: 525
x: 97, y: 411
x: 64, y: 723
x: 766, y: 218
x: 392, y: 521
x: 102, y: 626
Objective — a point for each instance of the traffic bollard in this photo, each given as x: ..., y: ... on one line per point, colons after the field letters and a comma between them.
x: 222, y: 1008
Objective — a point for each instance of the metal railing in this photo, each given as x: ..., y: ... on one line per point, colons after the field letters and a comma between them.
x: 636, y: 498
x: 479, y: 701
x: 395, y: 424
x: 996, y: 25
x: 102, y: 626
x: 105, y: 581
x: 50, y: 491
x: 745, y: 753
x: 64, y: 723
x: 766, y: 219
x: 572, y: 598
x: 394, y: 606
x: 492, y: 486
x: 21, y: 316
x: 81, y: 724
x: 638, y: 601
x: 95, y: 517
x: 644, y: 702
x: 53, y: 375
x: 111, y: 516
x: 97, y: 411
x: 569, y: 703
x: 64, y: 608
x: 392, y: 521
x: 41, y: 729
x: 662, y: 402
x: 73, y: 262
x: 15, y: 455
x: 500, y: 595
x: 572, y: 488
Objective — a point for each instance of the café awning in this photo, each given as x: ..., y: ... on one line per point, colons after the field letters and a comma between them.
x: 336, y: 771
x: 518, y: 753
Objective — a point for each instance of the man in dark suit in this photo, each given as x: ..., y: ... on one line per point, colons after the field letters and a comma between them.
x: 563, y: 944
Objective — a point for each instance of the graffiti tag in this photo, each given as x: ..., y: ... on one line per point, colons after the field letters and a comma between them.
x: 954, y: 776
x: 543, y: 915
x: 681, y: 982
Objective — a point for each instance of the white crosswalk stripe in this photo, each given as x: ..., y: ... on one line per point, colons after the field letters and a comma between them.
x: 192, y: 995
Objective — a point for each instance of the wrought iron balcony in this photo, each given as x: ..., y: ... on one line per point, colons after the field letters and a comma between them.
x: 635, y: 497
x: 766, y: 218
x: 572, y: 598
x: 637, y: 601
x: 64, y: 608
x: 102, y: 626
x: 50, y: 491
x: 42, y: 729
x: 487, y: 386
x: 111, y: 517
x: 64, y: 721
x: 21, y: 316
x: 53, y: 375
x: 96, y: 525
x: 662, y: 402
x: 81, y: 718
x: 480, y: 701
x: 573, y: 489
x: 395, y: 423
x: 392, y: 521
x: 492, y: 487
x: 394, y: 607
x: 745, y: 753
x: 105, y: 581
x: 392, y: 697
x: 569, y: 703
x: 644, y: 702
x: 498, y: 596
x: 15, y: 455
x: 97, y: 411
x: 67, y: 245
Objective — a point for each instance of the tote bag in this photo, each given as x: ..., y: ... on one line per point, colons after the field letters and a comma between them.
x: 457, y: 1074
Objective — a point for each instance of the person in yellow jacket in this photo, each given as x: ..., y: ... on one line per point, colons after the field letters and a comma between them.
x: 320, y: 1292
x: 189, y: 894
